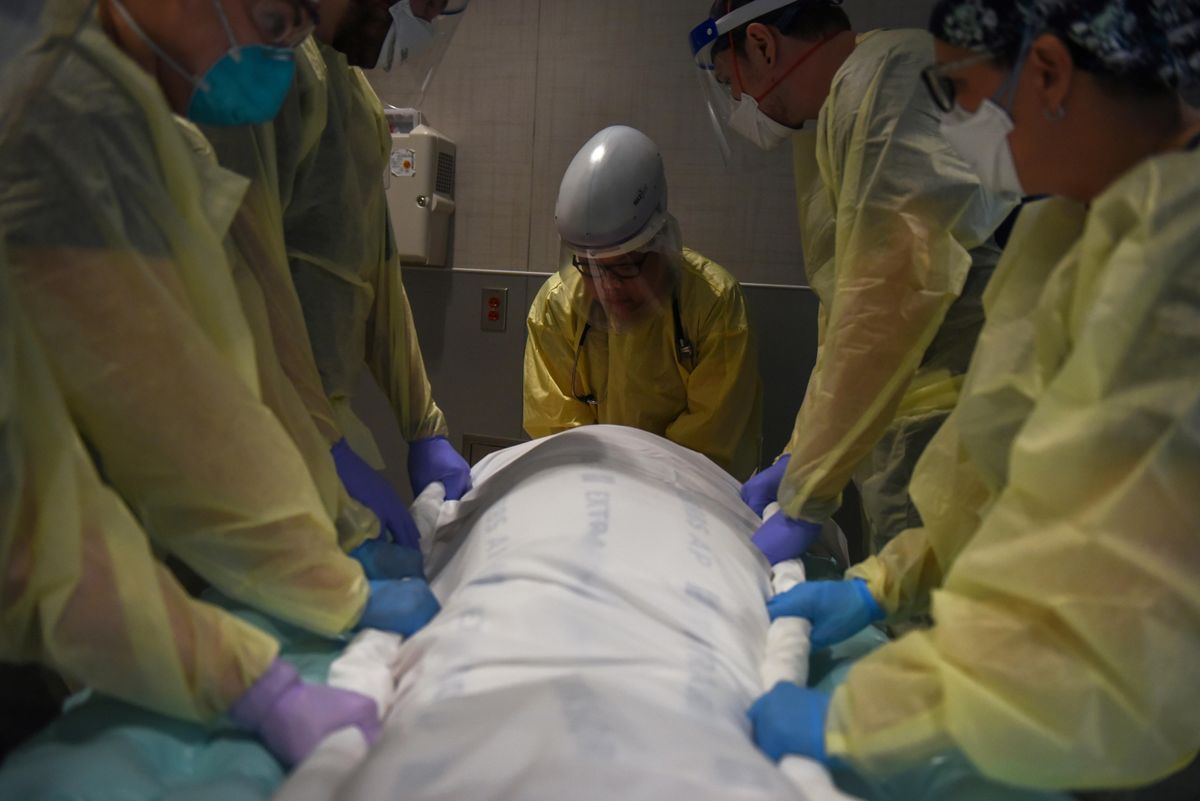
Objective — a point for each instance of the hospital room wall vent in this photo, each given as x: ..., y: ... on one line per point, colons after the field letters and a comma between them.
x: 445, y: 175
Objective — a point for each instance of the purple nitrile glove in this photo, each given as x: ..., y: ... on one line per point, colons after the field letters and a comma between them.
x: 400, y: 606
x: 434, y: 459
x: 837, y: 609
x: 790, y: 719
x: 368, y: 487
x: 782, y: 538
x: 382, y: 560
x: 763, y: 488
x: 292, y: 717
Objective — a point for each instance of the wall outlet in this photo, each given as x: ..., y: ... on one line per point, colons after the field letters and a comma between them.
x: 494, y: 310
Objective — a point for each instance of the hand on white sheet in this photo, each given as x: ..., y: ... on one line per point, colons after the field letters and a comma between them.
x: 837, y: 609
x: 435, y: 459
x: 292, y: 716
x: 782, y: 537
x: 382, y: 560
x: 403, y: 607
x: 791, y: 720
x: 763, y: 488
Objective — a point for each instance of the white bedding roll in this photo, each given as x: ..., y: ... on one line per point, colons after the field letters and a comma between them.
x: 603, y: 633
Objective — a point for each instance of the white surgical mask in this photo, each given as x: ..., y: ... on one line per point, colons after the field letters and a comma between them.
x: 408, y: 35
x: 981, y: 139
x: 750, y: 121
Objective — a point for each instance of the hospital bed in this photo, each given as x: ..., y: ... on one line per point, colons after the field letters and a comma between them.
x: 602, y: 635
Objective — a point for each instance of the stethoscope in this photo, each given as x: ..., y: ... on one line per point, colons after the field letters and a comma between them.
x: 685, y: 352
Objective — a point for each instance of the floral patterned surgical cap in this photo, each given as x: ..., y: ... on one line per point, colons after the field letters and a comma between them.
x: 1148, y: 42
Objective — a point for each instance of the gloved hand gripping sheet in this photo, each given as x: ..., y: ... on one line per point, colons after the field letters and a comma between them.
x: 603, y: 632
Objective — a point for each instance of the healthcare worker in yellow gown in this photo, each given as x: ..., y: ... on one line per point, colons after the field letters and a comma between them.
x: 114, y: 247
x: 256, y: 256
x: 636, y: 329
x: 85, y: 596
x: 332, y: 145
x: 897, y: 238
x: 1060, y: 555
x: 322, y: 155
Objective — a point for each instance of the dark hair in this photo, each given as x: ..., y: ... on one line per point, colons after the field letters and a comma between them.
x: 1011, y: 25
x: 1124, y: 87
x: 1133, y: 86
x: 808, y: 20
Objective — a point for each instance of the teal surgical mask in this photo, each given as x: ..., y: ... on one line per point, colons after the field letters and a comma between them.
x: 245, y: 86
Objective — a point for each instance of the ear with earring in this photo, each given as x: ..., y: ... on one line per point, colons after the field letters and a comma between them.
x: 1055, y: 115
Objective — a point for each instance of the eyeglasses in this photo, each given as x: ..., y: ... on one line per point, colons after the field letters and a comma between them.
x: 619, y: 268
x: 284, y: 23
x: 937, y: 80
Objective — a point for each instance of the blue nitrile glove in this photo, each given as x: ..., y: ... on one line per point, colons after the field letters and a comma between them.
x: 292, y: 717
x: 372, y: 490
x: 381, y: 559
x: 763, y: 488
x: 837, y: 609
x: 400, y: 606
x: 790, y: 719
x: 781, y: 537
x: 434, y: 459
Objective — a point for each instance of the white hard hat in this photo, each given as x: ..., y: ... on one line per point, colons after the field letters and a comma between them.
x: 613, y: 197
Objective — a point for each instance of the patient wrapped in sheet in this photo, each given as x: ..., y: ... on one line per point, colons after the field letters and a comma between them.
x: 602, y: 635
x: 603, y: 632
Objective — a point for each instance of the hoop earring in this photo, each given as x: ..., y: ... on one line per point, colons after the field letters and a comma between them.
x: 1056, y: 115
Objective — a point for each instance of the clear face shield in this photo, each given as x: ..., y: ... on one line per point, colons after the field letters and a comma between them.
x: 623, y: 287
x: 741, y: 128
x: 421, y: 32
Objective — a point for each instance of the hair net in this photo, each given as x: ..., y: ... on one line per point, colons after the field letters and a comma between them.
x: 1151, y: 42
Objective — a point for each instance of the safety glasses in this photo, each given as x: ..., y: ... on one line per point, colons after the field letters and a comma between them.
x: 630, y: 267
x: 941, y: 86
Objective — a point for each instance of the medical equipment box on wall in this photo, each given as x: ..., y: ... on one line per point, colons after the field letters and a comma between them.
x: 420, y: 189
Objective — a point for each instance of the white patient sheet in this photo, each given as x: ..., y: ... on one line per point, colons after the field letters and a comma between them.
x: 603, y: 632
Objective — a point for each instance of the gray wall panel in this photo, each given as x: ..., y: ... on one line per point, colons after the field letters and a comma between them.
x: 785, y: 322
